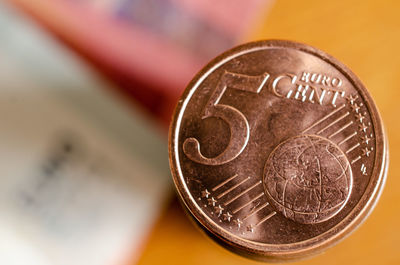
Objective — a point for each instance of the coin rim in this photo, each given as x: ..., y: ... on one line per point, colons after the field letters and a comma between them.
x: 297, y: 249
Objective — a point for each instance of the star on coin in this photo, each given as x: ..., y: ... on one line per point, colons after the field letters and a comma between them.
x: 352, y: 98
x: 356, y: 107
x: 227, y: 216
x: 205, y: 193
x: 212, y: 201
x: 218, y: 210
x: 238, y: 222
x: 363, y: 127
x: 366, y: 151
x: 366, y: 139
x: 360, y: 117
x: 250, y: 228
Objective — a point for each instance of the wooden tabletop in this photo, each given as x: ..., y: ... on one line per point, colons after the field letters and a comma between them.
x: 364, y: 35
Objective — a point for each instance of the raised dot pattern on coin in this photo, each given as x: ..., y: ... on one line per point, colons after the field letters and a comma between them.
x: 277, y: 149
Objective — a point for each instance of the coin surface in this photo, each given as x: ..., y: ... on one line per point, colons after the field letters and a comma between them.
x: 277, y: 150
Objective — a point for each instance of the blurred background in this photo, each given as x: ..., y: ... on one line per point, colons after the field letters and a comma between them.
x: 87, y: 89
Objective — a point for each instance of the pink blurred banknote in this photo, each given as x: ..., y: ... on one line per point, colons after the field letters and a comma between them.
x: 149, y: 48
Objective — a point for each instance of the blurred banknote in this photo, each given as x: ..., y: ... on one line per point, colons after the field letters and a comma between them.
x: 83, y: 175
x: 149, y: 48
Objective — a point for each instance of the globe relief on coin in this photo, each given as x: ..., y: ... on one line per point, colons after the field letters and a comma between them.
x: 277, y: 150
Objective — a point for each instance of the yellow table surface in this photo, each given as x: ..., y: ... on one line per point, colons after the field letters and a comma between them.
x: 364, y: 35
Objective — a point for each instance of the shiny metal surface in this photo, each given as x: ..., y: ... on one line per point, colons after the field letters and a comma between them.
x: 277, y: 150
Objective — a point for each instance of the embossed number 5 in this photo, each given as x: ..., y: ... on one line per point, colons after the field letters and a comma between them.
x: 238, y: 124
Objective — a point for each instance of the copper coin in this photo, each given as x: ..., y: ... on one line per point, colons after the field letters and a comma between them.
x: 277, y: 150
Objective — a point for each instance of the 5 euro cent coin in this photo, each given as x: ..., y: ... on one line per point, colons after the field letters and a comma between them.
x: 277, y: 150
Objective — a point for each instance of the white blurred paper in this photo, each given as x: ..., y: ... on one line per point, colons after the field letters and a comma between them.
x: 82, y: 175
